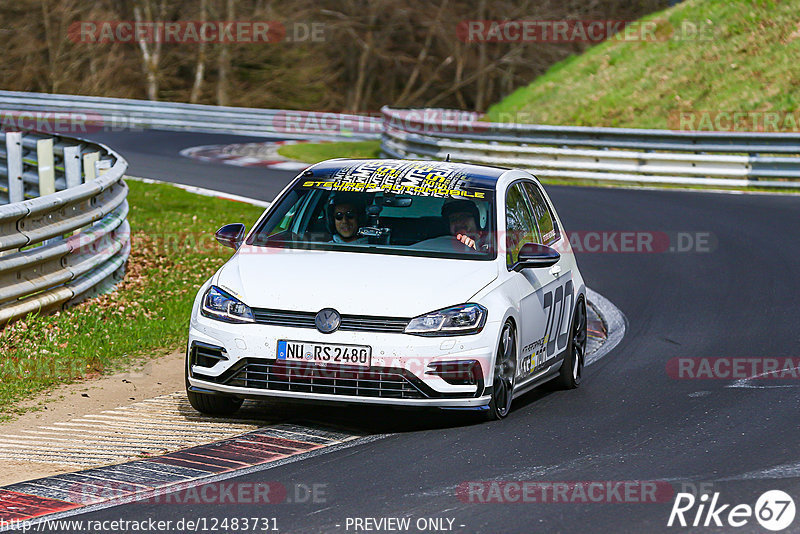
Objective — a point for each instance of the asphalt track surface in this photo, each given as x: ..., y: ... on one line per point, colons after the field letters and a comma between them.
x: 628, y: 421
x: 154, y: 154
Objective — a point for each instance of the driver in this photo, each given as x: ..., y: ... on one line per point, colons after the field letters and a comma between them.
x: 463, y: 218
x: 346, y: 216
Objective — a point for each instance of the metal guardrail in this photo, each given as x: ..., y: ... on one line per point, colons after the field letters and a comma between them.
x: 63, y: 229
x: 64, y: 236
x: 122, y: 113
x: 737, y: 159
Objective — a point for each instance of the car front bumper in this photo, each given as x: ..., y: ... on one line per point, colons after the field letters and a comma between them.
x: 400, y: 374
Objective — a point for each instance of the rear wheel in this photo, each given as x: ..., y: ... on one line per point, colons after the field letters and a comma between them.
x: 211, y: 404
x: 505, y: 369
x: 571, y: 372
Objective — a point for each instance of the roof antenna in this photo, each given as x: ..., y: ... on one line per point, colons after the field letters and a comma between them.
x: 447, y: 158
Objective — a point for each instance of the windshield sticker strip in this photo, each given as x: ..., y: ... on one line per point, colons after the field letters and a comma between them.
x: 400, y: 177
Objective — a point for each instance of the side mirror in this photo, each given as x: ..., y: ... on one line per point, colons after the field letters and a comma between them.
x: 231, y: 235
x: 533, y: 255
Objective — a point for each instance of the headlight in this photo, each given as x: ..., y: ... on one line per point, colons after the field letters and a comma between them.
x: 455, y: 321
x: 223, y: 307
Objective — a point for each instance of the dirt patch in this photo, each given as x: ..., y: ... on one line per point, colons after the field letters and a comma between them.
x: 157, y: 377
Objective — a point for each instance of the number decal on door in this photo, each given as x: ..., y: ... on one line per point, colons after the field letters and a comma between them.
x: 556, y: 330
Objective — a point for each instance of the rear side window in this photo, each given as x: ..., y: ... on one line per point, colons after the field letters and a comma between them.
x: 544, y: 219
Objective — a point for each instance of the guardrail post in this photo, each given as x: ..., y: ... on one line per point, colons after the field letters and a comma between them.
x: 102, y: 166
x: 47, y: 171
x: 72, y: 165
x: 90, y: 166
x: 16, y: 189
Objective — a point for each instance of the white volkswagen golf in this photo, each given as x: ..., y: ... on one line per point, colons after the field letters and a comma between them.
x: 392, y: 282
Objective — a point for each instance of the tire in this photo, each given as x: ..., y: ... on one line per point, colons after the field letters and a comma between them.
x: 505, y: 370
x: 571, y: 372
x: 213, y: 404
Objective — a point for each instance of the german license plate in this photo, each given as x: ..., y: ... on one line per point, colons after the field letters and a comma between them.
x: 325, y: 353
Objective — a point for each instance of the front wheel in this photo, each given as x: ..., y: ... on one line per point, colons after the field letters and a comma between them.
x: 572, y: 368
x: 505, y: 370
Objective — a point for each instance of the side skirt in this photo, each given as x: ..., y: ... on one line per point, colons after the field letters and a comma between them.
x: 545, y: 375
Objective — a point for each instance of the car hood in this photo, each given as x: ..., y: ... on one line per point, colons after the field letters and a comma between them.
x: 352, y: 283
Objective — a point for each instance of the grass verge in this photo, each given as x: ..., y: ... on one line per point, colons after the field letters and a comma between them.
x: 173, y: 252
x: 316, y: 152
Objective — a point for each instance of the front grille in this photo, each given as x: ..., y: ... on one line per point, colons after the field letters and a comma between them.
x: 354, y: 323
x: 299, y: 377
x: 284, y: 318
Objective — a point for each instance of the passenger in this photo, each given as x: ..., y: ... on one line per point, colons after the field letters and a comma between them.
x: 463, y: 218
x: 346, y: 217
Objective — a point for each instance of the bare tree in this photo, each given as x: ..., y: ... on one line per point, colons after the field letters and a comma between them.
x: 151, y: 52
x: 200, y: 68
x: 61, y: 59
x: 374, y: 52
x: 224, y: 63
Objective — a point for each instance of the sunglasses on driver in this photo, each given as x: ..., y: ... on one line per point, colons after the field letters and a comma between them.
x: 340, y: 216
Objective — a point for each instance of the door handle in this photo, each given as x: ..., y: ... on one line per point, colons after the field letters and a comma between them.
x: 555, y: 270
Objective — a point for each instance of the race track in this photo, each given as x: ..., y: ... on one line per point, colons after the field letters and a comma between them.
x: 629, y: 421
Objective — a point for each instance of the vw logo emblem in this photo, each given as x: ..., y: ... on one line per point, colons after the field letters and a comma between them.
x: 328, y: 320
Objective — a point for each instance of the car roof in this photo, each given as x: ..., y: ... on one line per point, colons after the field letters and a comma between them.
x: 469, y: 175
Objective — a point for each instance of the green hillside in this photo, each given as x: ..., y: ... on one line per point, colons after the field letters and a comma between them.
x: 743, y: 56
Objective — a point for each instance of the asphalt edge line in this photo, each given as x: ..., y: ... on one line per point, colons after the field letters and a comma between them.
x: 180, y: 486
x: 615, y: 321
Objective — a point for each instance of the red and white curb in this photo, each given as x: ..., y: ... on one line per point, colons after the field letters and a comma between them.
x: 247, y: 155
x: 72, y: 493
x: 606, y: 326
x: 595, y: 329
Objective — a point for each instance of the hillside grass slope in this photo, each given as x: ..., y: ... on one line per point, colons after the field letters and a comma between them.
x: 708, y: 56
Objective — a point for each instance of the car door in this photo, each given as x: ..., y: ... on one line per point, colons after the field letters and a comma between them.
x: 541, y: 292
x: 559, y: 296
x: 520, y: 229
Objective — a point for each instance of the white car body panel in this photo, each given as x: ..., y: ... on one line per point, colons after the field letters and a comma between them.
x: 372, y: 284
x: 352, y: 282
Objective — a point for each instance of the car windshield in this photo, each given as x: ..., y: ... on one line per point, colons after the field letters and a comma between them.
x: 384, y: 213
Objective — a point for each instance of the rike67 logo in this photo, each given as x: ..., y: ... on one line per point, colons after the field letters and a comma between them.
x: 774, y: 510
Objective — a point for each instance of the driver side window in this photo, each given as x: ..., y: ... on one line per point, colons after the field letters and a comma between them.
x: 520, y: 224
